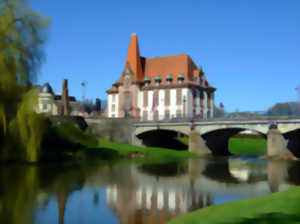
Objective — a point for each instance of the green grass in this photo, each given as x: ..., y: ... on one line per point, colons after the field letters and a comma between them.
x: 183, y: 140
x: 247, y: 145
x: 150, y: 154
x: 74, y: 134
x: 274, y: 208
x: 240, y: 145
x: 95, y: 148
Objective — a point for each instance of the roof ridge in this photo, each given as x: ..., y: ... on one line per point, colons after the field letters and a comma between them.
x: 173, y: 55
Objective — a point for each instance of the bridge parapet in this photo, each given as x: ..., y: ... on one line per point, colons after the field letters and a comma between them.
x: 261, y: 126
x: 188, y: 119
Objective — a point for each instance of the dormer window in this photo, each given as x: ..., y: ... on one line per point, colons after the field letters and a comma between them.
x: 169, y: 78
x: 147, y: 81
x: 157, y: 80
x: 180, y: 78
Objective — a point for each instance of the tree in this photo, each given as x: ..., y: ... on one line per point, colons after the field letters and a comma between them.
x: 22, y: 35
x: 288, y: 108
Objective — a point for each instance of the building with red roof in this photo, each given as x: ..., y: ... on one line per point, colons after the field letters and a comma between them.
x: 160, y: 88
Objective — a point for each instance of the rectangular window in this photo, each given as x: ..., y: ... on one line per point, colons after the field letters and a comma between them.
x: 167, y: 97
x: 208, y: 99
x: 178, y: 96
x: 155, y: 98
x: 114, y: 98
x: 178, y: 113
x: 145, y: 101
x: 127, y: 100
x: 167, y: 114
x: 155, y: 117
x: 201, y: 98
x: 113, y: 107
x: 145, y: 115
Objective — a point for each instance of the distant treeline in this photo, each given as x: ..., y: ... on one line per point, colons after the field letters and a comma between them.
x: 279, y: 109
x: 288, y: 108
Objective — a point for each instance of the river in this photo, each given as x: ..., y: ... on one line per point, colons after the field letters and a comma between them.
x: 131, y: 193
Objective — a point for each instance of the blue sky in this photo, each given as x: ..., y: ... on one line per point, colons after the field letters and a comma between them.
x: 249, y: 49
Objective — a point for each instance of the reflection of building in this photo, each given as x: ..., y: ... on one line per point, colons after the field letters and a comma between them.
x: 153, y: 204
x: 50, y: 103
x: 160, y: 87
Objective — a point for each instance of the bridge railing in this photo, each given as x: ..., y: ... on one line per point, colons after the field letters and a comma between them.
x: 225, y: 116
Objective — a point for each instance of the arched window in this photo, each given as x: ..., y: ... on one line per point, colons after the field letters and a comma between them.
x: 127, y: 100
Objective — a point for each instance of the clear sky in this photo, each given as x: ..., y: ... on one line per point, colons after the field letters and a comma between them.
x: 249, y: 49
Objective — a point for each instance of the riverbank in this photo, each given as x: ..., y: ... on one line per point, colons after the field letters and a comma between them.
x: 115, y: 150
x: 88, y: 147
x: 282, y: 207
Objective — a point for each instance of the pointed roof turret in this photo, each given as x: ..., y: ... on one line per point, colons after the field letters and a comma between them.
x: 134, y: 60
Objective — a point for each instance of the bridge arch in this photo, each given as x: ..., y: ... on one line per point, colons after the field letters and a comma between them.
x: 180, y: 129
x: 286, y: 128
x: 293, y: 141
x: 164, y: 138
x: 218, y: 140
x: 262, y: 129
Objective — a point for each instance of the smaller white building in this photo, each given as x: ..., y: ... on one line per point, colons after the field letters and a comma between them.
x: 51, y: 103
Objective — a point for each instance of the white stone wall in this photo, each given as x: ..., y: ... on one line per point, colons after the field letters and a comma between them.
x: 140, y: 98
x: 189, y: 94
x: 173, y: 107
x: 150, y: 103
x: 161, y: 107
x: 109, y: 105
x: 113, y: 99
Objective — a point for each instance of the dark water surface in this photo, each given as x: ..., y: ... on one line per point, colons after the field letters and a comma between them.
x: 133, y: 193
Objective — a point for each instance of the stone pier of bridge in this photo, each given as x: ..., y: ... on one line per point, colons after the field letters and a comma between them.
x: 277, y: 144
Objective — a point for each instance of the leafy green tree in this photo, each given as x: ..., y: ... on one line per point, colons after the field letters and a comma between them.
x: 22, y: 35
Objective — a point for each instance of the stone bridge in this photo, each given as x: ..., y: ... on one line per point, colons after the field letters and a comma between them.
x: 213, y: 135
x: 209, y: 135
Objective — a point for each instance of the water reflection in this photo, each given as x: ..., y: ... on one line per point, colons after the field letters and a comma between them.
x: 130, y: 194
x: 155, y: 202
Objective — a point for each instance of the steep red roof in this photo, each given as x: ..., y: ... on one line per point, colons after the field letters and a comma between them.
x: 174, y: 65
x: 134, y: 60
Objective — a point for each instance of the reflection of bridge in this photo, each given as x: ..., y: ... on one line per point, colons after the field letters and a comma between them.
x: 157, y: 199
x: 216, y: 133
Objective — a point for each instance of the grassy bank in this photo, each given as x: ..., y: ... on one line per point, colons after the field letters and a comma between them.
x: 247, y: 145
x: 88, y: 147
x: 240, y: 145
x: 275, y: 208
x: 150, y: 154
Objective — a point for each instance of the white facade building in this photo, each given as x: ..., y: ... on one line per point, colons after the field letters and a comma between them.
x: 160, y: 88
